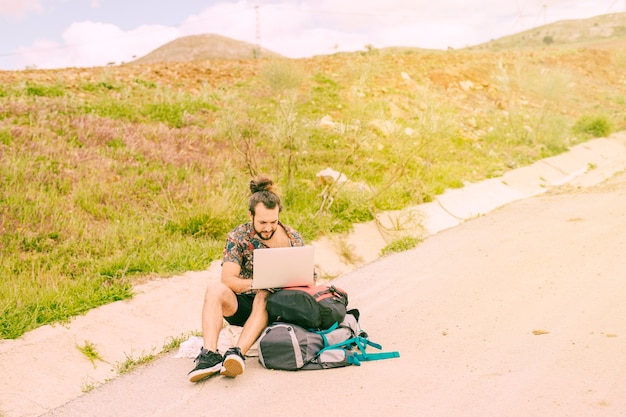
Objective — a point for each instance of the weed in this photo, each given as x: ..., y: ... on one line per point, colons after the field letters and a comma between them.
x: 346, y: 252
x: 282, y: 75
x: 40, y: 90
x: 130, y: 363
x: 87, y: 387
x: 175, y: 342
x: 90, y: 352
x: 401, y: 244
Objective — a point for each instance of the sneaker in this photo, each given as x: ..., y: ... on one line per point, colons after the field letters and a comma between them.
x: 207, y: 363
x: 233, y: 363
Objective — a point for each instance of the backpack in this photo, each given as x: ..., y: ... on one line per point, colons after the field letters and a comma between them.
x: 312, y: 307
x: 291, y: 347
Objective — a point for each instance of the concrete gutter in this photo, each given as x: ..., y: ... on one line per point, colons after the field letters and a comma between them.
x: 584, y: 165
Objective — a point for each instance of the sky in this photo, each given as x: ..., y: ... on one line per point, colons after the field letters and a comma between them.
x: 48, y: 34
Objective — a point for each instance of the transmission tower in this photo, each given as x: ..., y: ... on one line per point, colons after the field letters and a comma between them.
x: 258, y: 32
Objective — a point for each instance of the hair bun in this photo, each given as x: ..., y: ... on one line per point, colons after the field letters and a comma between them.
x: 261, y: 183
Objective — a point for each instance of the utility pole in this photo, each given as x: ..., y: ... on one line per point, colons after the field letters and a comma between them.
x: 258, y: 32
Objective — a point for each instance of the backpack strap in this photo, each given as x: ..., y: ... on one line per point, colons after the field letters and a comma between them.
x: 323, y: 333
x: 377, y: 356
x: 353, y: 358
x: 362, y: 342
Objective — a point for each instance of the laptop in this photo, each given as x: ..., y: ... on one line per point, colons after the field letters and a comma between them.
x: 283, y: 267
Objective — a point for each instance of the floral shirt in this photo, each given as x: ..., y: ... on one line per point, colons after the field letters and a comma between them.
x: 243, y: 240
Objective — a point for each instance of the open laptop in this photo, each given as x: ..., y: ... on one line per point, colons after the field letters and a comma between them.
x: 283, y: 267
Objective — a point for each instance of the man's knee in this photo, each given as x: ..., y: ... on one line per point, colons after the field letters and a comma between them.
x: 218, y: 292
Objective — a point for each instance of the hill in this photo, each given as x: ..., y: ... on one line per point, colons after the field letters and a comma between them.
x: 204, y: 47
x: 598, y: 30
x: 609, y: 29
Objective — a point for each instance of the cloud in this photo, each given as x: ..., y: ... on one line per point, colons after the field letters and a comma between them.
x: 306, y: 28
x: 303, y: 28
x: 87, y: 44
x: 19, y: 8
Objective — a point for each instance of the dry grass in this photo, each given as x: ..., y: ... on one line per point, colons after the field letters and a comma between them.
x: 111, y: 175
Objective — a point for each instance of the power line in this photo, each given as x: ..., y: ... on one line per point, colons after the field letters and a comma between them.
x: 258, y: 32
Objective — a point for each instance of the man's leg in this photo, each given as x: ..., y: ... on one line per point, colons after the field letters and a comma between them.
x: 219, y: 301
x: 252, y: 329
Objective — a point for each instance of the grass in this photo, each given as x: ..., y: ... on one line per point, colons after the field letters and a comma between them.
x: 401, y: 244
x: 131, y: 363
x: 90, y: 352
x: 111, y: 176
x: 128, y: 365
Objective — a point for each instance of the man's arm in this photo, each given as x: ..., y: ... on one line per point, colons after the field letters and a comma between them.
x: 230, y: 277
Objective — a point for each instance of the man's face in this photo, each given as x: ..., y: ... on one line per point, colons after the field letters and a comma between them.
x: 265, y: 221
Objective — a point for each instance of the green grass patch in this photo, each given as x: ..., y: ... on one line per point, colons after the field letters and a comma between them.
x: 401, y: 245
x: 107, y: 179
x: 593, y: 126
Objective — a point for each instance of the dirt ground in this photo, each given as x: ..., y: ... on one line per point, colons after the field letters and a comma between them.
x: 593, y: 68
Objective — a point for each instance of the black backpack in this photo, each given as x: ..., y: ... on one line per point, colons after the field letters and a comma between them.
x: 312, y: 307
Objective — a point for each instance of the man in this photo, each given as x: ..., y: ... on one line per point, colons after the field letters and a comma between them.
x: 232, y: 298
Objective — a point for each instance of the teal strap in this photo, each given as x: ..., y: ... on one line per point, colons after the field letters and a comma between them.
x: 377, y: 356
x: 362, y: 344
x: 353, y: 359
x: 330, y: 329
x: 372, y: 344
x: 323, y: 333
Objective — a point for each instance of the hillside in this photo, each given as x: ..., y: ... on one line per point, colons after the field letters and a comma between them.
x: 203, y: 47
x: 111, y: 175
x: 598, y: 30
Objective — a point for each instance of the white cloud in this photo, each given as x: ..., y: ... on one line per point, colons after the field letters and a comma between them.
x: 88, y: 44
x: 19, y: 8
x: 304, y: 28
x: 236, y: 20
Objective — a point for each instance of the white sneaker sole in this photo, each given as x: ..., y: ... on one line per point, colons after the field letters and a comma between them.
x: 233, y: 365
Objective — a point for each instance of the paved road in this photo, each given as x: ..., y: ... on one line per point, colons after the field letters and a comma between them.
x: 519, y: 312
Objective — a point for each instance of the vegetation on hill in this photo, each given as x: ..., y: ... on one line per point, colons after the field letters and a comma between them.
x: 595, y: 30
x: 111, y: 175
x: 203, y: 47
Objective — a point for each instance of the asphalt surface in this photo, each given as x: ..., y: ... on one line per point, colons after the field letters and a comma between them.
x: 512, y: 306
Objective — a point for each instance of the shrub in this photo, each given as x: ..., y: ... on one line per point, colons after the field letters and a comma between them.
x: 594, y: 126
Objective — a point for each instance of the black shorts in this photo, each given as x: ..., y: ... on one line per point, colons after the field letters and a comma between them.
x: 244, y: 308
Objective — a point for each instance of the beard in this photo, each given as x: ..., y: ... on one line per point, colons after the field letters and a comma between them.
x: 265, y: 235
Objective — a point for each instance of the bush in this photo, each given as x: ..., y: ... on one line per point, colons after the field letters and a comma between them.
x: 594, y: 126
